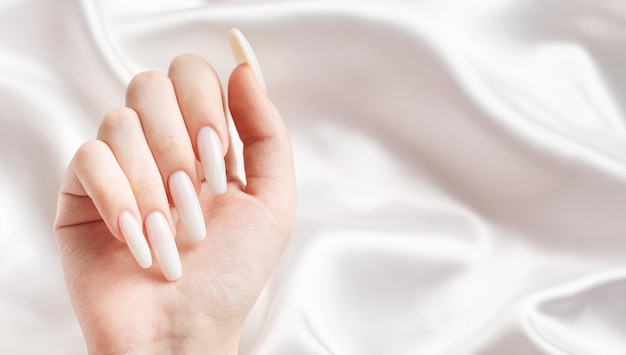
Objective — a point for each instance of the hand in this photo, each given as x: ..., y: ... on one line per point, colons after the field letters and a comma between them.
x: 144, y: 162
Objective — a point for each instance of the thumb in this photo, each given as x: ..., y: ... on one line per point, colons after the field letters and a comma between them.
x: 267, y: 151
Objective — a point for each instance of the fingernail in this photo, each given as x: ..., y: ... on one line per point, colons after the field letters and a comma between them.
x: 163, y: 245
x: 210, y: 150
x: 187, y: 204
x: 244, y: 54
x: 135, y: 239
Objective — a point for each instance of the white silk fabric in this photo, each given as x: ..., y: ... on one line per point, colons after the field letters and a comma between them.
x: 461, y: 165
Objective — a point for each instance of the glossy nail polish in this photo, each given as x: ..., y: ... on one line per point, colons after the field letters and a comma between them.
x: 210, y: 150
x: 136, y: 241
x: 187, y: 204
x: 244, y: 54
x: 163, y: 245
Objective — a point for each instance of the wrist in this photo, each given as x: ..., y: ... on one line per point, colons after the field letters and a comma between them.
x: 203, y: 341
x: 167, y: 346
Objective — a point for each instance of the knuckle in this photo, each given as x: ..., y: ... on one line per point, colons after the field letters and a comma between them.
x: 90, y: 150
x: 146, y: 80
x: 168, y: 145
x: 184, y: 59
x: 147, y: 185
x: 188, y: 60
x: 115, y: 120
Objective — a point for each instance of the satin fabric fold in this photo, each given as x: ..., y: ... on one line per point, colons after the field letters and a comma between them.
x: 461, y: 166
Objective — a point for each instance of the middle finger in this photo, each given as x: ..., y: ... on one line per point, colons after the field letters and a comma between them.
x: 152, y: 96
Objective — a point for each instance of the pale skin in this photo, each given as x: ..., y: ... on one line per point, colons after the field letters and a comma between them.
x: 124, y: 309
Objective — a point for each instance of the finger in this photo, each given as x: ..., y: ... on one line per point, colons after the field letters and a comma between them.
x: 152, y: 96
x: 230, y: 160
x: 122, y: 131
x: 199, y: 96
x: 267, y: 154
x: 94, y: 173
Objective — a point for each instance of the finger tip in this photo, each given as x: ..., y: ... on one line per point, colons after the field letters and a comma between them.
x: 218, y: 189
x: 234, y: 32
x: 172, y: 271
x: 172, y: 277
x: 144, y: 262
x: 135, y: 239
x: 237, y: 45
x: 198, y: 234
x: 243, y: 53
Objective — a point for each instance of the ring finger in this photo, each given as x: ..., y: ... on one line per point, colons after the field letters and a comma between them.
x: 121, y: 130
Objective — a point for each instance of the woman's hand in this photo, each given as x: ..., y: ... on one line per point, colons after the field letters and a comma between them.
x: 216, y: 237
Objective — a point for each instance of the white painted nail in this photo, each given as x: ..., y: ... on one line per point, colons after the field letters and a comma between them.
x: 135, y: 239
x: 210, y: 150
x: 244, y: 54
x: 187, y: 204
x: 163, y: 245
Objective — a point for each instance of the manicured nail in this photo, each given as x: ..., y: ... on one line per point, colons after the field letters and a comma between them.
x: 163, y: 245
x: 187, y: 204
x: 244, y: 54
x: 135, y: 239
x: 210, y: 150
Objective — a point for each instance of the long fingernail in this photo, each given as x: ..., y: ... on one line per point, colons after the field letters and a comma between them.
x: 244, y: 54
x: 163, y: 245
x: 135, y: 239
x: 210, y: 150
x: 187, y: 204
